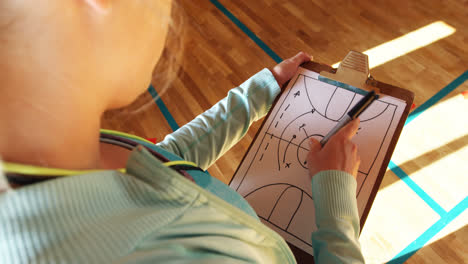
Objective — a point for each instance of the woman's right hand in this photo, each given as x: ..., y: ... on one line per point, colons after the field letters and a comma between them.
x: 339, y: 153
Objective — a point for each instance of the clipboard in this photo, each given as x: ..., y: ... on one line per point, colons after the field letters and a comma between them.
x: 353, y: 72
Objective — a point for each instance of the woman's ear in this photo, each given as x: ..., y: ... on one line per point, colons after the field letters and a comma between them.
x: 99, y: 5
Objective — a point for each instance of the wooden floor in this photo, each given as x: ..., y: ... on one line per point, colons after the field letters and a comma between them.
x: 211, y: 55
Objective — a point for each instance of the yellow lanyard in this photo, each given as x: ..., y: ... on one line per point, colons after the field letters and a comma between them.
x: 123, y: 134
x: 31, y: 170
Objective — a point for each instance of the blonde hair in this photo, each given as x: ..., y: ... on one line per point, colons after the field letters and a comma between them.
x: 167, y: 68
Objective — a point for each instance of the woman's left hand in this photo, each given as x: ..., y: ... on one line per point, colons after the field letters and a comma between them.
x: 284, y: 71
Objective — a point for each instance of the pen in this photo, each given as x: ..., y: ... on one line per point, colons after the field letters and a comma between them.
x: 351, y: 115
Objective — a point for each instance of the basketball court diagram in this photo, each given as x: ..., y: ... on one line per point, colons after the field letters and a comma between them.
x: 273, y: 177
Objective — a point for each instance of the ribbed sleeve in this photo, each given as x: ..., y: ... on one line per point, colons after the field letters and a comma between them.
x: 334, y: 194
x: 337, y: 219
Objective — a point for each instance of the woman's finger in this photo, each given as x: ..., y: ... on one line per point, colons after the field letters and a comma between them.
x: 301, y: 57
x: 314, y: 145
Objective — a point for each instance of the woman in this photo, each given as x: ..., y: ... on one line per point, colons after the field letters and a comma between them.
x: 89, y: 197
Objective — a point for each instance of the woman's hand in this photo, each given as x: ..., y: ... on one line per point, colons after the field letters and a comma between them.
x: 284, y: 71
x: 340, y: 153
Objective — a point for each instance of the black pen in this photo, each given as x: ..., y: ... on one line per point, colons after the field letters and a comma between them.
x: 351, y: 115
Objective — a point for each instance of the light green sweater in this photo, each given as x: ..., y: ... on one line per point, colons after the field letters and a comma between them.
x: 152, y: 214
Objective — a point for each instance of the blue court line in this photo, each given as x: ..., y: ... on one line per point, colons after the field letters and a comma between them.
x: 437, y: 97
x: 407, y: 252
x: 457, y: 82
x: 415, y: 187
x: 159, y: 102
x: 247, y: 31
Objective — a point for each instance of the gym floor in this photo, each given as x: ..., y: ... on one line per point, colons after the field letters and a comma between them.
x: 419, y: 214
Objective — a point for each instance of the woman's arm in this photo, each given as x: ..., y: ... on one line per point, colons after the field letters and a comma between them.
x: 204, y: 139
x: 212, y: 133
x: 333, y: 169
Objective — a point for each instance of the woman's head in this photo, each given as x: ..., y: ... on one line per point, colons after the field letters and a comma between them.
x: 63, y: 63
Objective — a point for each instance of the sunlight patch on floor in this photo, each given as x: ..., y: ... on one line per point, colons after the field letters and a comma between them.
x: 407, y: 43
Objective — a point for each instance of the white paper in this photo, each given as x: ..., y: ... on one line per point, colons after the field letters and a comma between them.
x: 273, y: 177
